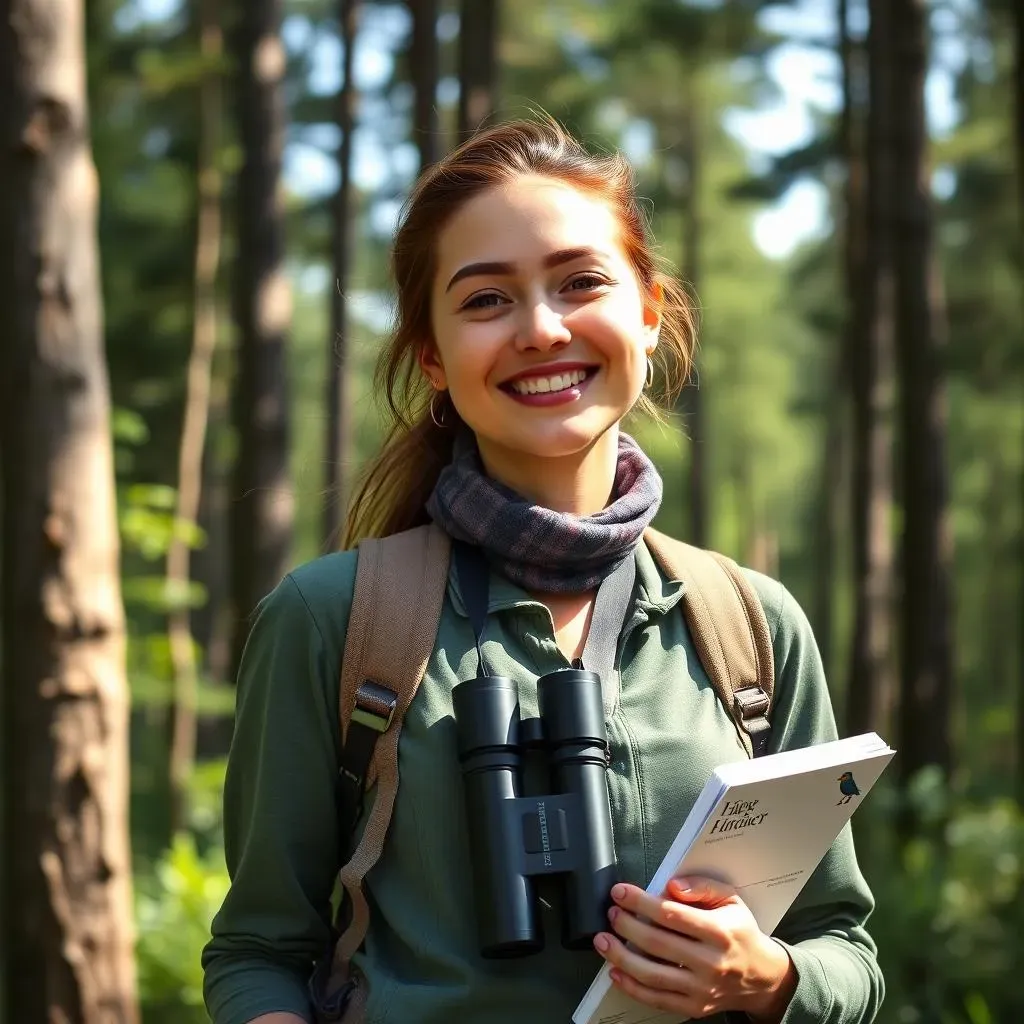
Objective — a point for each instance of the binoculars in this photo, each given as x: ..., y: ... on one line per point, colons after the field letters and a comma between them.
x: 515, y: 838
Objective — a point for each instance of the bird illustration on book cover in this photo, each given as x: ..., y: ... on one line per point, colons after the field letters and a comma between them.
x: 848, y: 787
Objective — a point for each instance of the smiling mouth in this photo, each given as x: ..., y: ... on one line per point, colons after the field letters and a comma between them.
x: 552, y: 384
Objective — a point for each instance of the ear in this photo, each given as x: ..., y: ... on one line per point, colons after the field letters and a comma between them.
x: 433, y: 369
x: 654, y: 303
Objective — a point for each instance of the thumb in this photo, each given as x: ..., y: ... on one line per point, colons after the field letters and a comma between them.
x: 703, y: 892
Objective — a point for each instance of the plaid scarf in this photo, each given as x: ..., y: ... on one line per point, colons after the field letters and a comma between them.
x: 536, y: 547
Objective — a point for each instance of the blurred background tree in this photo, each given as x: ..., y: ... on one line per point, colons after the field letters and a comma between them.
x: 65, y: 917
x: 854, y: 424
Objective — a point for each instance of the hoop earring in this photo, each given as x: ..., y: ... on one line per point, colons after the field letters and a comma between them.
x: 650, y: 372
x: 433, y: 411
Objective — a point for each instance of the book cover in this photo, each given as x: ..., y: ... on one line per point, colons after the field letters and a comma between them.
x: 762, y: 826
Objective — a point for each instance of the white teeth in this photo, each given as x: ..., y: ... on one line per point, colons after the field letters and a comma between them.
x: 557, y: 382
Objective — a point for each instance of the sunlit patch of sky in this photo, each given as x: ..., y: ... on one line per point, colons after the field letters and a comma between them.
x: 805, y: 72
x: 137, y: 13
x: 807, y: 76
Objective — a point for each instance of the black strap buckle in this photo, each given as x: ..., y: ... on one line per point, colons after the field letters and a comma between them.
x: 372, y: 715
x: 751, y: 705
x: 751, y: 702
x: 375, y: 706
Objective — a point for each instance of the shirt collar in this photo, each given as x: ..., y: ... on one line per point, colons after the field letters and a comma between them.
x: 502, y: 593
x: 659, y: 593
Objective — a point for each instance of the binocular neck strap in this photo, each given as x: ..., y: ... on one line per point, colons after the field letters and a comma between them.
x: 474, y: 579
x: 612, y: 607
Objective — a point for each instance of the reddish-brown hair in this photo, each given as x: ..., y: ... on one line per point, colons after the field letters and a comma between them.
x: 395, y: 487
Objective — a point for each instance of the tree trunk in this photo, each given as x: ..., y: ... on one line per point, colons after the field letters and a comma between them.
x: 693, y: 396
x: 210, y: 563
x: 425, y: 70
x: 263, y: 503
x: 478, y: 63
x: 870, y: 686
x: 833, y: 495
x: 196, y: 414
x: 66, y: 922
x: 338, y: 419
x: 1017, y: 14
x: 829, y: 508
x: 926, y: 552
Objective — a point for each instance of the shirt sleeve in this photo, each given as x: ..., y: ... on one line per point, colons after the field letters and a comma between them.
x: 824, y: 931
x: 280, y: 824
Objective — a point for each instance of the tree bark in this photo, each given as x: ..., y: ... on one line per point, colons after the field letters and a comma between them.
x: 693, y: 395
x: 870, y: 685
x: 1017, y: 14
x: 338, y: 418
x: 926, y: 551
x: 829, y: 508
x: 66, y: 922
x: 478, y: 63
x: 834, y: 492
x: 209, y: 565
x: 196, y: 414
x: 263, y: 502
x: 425, y: 70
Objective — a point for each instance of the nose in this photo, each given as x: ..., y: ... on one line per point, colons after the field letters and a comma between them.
x: 542, y: 328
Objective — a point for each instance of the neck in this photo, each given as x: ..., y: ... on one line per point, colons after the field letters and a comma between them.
x: 580, y: 484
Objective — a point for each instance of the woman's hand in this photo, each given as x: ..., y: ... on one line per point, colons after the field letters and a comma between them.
x: 696, y: 951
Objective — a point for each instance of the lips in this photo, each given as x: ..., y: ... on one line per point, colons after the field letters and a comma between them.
x: 552, y: 383
x: 563, y: 388
x: 549, y: 379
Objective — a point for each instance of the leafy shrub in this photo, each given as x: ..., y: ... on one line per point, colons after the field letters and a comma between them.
x: 949, y: 919
x: 174, y: 907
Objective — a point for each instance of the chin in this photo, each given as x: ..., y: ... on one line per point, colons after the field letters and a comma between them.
x: 549, y: 441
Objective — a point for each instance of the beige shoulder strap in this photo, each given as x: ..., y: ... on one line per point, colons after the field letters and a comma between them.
x: 729, y: 630
x: 396, y: 607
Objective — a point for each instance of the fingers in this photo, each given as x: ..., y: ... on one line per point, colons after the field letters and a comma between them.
x: 655, y: 940
x: 654, y: 984
x: 669, y: 913
x: 687, y: 1006
x: 651, y: 973
x: 705, y: 892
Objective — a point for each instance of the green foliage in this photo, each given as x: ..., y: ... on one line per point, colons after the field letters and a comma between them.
x: 174, y: 907
x: 148, y: 525
x: 949, y: 913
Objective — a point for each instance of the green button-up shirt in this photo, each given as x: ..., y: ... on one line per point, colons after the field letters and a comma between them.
x: 420, y: 961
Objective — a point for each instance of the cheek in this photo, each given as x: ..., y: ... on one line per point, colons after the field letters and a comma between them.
x: 615, y: 328
x: 469, y: 352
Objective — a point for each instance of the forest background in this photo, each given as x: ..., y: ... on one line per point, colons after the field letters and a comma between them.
x: 858, y: 428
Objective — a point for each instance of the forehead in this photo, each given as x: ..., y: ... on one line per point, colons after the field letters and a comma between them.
x: 523, y: 220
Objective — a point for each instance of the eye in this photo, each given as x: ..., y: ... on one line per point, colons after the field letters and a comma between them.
x: 483, y: 300
x: 587, y: 282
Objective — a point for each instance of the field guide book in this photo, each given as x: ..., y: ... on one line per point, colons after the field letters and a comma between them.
x: 762, y: 826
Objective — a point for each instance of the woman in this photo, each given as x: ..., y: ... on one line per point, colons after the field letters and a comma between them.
x: 531, y: 306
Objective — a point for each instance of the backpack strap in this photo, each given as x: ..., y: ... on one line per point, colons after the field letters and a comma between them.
x: 396, y: 607
x: 729, y: 630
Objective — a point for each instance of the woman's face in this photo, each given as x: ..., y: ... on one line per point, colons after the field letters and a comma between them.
x: 541, y: 329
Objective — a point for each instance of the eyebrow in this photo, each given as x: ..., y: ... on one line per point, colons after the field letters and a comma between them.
x: 553, y: 259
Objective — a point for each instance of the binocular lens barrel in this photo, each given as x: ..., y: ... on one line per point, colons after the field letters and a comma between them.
x: 491, y: 746
x: 487, y: 727
x: 572, y: 710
